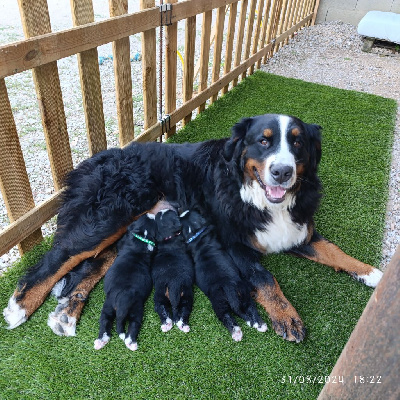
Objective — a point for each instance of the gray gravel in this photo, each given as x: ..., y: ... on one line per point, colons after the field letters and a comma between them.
x: 332, y: 49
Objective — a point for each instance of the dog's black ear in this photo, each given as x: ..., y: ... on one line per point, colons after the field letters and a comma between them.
x: 239, y: 131
x: 314, y: 133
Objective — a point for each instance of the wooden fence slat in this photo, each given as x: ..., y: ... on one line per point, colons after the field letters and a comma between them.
x: 36, y: 21
x: 171, y: 38
x: 266, y: 23
x: 250, y: 27
x: 188, y: 70
x: 229, y: 41
x: 14, y: 182
x: 205, y: 53
x: 315, y: 12
x: 240, y: 36
x: 219, y: 36
x: 149, y: 71
x: 123, y: 77
x: 273, y: 26
x: 82, y: 13
x: 28, y: 223
x: 256, y: 37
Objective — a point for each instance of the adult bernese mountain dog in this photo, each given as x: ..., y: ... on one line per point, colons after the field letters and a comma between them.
x: 260, y: 188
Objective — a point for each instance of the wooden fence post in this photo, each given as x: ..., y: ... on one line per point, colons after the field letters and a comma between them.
x: 82, y: 13
x: 219, y: 32
x: 123, y: 78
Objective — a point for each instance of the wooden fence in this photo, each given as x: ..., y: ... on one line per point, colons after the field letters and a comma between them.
x: 250, y: 31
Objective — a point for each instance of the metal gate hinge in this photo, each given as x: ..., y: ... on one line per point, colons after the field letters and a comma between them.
x: 166, y: 14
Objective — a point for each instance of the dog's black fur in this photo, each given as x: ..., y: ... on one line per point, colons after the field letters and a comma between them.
x: 173, y: 273
x: 218, y: 277
x: 258, y: 206
x: 128, y: 283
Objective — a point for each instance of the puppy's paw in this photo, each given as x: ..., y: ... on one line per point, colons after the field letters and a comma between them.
x: 260, y: 327
x: 14, y: 314
x: 130, y: 344
x: 167, y: 325
x: 100, y: 343
x: 371, y: 280
x: 237, y: 334
x: 182, y: 326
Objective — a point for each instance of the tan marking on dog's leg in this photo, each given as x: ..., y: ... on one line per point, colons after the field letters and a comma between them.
x: 285, y: 319
x: 331, y: 255
x: 35, y: 296
x: 63, y: 321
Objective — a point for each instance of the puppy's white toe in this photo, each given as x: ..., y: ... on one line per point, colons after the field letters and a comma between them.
x: 14, y: 314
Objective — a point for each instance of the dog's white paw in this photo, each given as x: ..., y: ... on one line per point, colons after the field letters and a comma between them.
x: 183, y: 327
x: 261, y: 328
x: 100, y: 343
x: 14, y: 314
x: 130, y: 344
x: 371, y: 279
x: 167, y: 326
x: 237, y: 334
x: 62, y: 324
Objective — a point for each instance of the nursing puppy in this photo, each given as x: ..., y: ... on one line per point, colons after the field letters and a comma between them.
x: 128, y: 283
x: 172, y: 273
x: 218, y: 277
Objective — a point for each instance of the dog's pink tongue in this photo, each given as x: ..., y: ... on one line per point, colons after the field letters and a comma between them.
x: 276, y: 192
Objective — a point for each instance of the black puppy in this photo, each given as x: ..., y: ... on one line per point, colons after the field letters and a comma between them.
x: 128, y: 283
x: 218, y: 277
x: 173, y: 273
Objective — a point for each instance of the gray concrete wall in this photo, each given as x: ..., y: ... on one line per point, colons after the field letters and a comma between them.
x: 351, y: 11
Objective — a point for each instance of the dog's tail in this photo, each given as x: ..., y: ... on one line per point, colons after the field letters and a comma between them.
x: 175, y: 290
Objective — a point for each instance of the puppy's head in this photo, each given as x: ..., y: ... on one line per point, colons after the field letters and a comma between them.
x: 191, y: 222
x: 144, y: 227
x: 274, y: 152
x: 168, y: 225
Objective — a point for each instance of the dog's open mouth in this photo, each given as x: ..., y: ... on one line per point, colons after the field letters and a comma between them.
x: 274, y: 194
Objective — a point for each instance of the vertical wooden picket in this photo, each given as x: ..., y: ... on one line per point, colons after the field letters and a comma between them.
x: 205, y: 53
x: 14, y: 182
x: 188, y: 70
x: 229, y: 41
x: 123, y: 78
x: 256, y: 36
x: 149, y: 71
x: 36, y: 21
x: 219, y: 32
x: 249, y: 33
x: 82, y: 13
x: 240, y: 36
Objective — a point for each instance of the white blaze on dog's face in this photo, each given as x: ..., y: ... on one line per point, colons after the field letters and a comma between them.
x: 275, y: 152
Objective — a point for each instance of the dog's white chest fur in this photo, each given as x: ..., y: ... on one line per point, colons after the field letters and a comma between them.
x: 281, y: 233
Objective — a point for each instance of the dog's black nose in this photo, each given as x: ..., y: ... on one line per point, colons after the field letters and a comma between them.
x: 281, y: 173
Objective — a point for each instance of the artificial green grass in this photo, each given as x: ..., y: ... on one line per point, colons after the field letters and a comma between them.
x: 206, y: 363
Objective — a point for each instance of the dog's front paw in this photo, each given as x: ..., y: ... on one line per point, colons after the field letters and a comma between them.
x: 167, y: 325
x: 291, y: 329
x: 371, y: 280
x: 100, y: 343
x: 182, y: 326
x: 237, y: 334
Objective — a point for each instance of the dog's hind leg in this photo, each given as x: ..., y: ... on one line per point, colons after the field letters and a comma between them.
x: 75, y: 288
x: 185, y: 306
x: 38, y: 282
x: 161, y: 307
x: 106, y: 320
x: 135, y: 318
x: 323, y: 251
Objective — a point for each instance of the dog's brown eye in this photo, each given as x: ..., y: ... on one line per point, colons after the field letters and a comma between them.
x: 297, y: 143
x: 264, y: 142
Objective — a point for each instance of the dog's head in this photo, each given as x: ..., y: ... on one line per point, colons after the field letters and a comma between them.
x: 168, y: 225
x: 275, y: 152
x: 191, y: 222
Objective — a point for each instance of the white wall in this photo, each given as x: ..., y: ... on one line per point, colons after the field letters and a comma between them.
x: 351, y: 11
